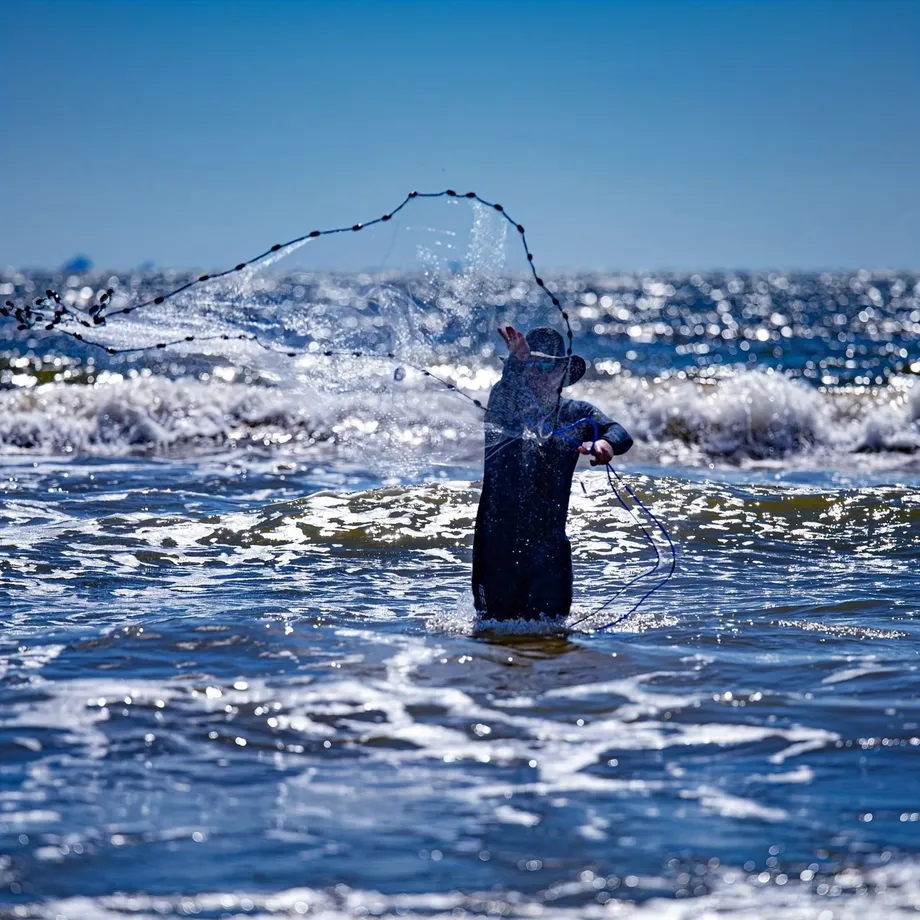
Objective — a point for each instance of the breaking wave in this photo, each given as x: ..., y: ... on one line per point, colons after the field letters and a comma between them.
x: 745, y: 416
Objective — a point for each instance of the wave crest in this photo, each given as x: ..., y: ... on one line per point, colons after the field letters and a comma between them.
x: 746, y: 416
x: 760, y: 415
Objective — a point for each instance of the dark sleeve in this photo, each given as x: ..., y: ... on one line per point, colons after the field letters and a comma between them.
x: 607, y: 430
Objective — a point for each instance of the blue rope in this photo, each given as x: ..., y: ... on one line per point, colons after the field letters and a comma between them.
x: 667, y: 536
x: 611, y: 472
x: 634, y: 579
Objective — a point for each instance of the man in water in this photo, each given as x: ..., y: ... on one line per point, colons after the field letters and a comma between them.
x: 522, y: 561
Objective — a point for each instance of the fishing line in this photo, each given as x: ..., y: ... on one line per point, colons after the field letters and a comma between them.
x: 635, y: 578
x: 610, y: 470
x: 661, y: 527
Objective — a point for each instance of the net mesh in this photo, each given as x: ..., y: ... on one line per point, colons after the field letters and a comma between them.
x: 390, y: 330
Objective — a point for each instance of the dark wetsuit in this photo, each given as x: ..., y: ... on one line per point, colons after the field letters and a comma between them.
x: 522, y: 561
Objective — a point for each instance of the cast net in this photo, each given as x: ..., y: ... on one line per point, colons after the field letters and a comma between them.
x: 383, y: 332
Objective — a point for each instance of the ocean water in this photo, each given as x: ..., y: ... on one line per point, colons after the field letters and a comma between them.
x: 240, y: 674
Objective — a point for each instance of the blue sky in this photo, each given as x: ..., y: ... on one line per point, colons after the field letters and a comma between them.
x: 623, y: 134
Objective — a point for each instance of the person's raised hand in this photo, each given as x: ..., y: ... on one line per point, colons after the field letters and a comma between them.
x: 517, y: 344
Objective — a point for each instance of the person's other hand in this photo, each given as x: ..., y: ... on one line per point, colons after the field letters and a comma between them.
x: 601, y: 452
x: 517, y: 344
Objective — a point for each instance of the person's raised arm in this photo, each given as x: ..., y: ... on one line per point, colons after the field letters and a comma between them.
x: 508, y: 402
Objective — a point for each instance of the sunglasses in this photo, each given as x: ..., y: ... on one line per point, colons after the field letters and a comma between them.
x: 545, y: 367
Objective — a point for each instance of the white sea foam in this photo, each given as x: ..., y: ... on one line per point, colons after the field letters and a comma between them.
x: 758, y: 415
x: 890, y: 891
x: 743, y: 417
